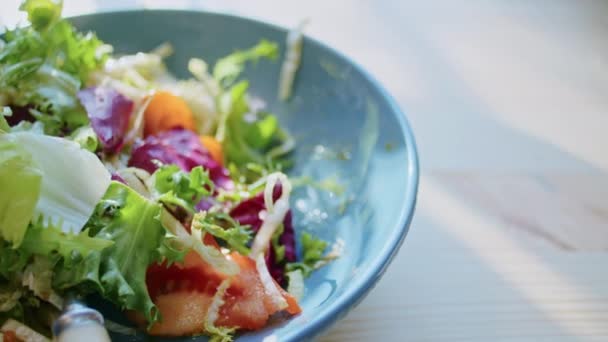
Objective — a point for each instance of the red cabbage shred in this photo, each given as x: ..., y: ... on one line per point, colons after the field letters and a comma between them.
x: 248, y: 213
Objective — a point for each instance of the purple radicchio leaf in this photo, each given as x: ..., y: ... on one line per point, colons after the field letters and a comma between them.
x: 180, y: 147
x: 109, y: 113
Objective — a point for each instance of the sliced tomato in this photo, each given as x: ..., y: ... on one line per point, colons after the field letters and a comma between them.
x: 246, y: 304
x: 183, y: 293
x: 183, y: 313
x: 192, y: 275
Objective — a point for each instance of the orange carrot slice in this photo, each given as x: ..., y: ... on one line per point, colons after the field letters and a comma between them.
x: 166, y: 111
x: 214, y: 147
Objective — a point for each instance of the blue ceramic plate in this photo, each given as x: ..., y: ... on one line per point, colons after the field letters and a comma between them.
x: 348, y: 130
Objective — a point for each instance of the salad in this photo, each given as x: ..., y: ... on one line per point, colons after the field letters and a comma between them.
x: 165, y: 197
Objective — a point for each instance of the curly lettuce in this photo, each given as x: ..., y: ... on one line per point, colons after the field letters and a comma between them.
x: 27, y: 273
x: 44, y: 65
x: 174, y: 186
x: 226, y: 229
x: 133, y: 224
x: 247, y: 135
x: 251, y: 139
x: 227, y: 69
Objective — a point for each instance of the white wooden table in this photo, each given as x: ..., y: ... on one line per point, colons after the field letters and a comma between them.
x: 509, y: 103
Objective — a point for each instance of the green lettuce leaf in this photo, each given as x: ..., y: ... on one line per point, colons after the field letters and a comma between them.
x: 46, y: 239
x: 248, y: 138
x: 312, y: 255
x: 228, y: 68
x: 226, y: 229
x: 132, y: 223
x: 42, y: 13
x: 245, y: 141
x: 82, y: 277
x: 44, y: 65
x: 73, y: 179
x: 261, y: 132
x: 51, y: 243
x: 31, y: 269
x: 12, y: 261
x: 55, y: 40
x: 185, y: 189
x: 20, y: 181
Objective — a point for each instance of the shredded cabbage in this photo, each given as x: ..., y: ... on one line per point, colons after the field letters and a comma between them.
x: 275, y: 212
x: 137, y: 179
x: 217, y: 302
x: 194, y: 241
x: 291, y: 63
x: 270, y: 286
x: 136, y: 130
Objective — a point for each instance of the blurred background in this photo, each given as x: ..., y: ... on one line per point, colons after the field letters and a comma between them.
x: 509, y: 104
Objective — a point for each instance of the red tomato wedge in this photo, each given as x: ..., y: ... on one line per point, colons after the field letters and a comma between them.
x: 183, y: 293
x: 246, y: 304
x: 183, y: 313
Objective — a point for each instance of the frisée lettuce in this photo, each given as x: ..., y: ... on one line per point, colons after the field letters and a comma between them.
x: 133, y: 224
x: 43, y: 66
